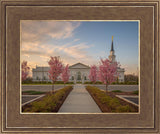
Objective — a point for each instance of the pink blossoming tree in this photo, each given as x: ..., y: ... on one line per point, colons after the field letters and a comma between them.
x: 93, y: 74
x: 107, y: 72
x: 55, y: 69
x: 65, y: 74
x: 25, y: 70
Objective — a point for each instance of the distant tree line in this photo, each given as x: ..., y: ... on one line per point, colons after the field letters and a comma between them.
x: 130, y: 78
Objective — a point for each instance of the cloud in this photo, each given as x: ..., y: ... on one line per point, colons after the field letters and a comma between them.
x: 42, y: 39
x: 41, y: 31
x: 30, y: 52
x: 68, y: 52
x: 76, y: 40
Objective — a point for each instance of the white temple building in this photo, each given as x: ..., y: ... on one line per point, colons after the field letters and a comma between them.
x: 78, y: 72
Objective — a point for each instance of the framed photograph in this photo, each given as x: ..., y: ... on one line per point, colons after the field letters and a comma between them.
x: 80, y: 66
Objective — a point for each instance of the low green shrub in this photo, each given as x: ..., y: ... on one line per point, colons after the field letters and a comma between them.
x: 113, y: 83
x: 45, y: 82
x: 106, y: 100
x: 126, y: 108
x: 36, y: 82
x: 79, y: 82
x: 117, y: 91
x: 112, y: 103
x: 61, y: 82
x: 125, y: 83
x: 90, y: 82
x: 49, y: 102
x: 136, y: 92
x: 70, y: 82
x: 98, y: 82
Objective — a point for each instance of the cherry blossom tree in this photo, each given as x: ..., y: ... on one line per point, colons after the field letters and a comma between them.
x: 55, y: 70
x: 107, y: 72
x: 25, y: 70
x: 93, y: 74
x: 65, y: 74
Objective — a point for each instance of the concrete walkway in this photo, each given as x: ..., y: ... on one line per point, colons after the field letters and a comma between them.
x: 79, y: 101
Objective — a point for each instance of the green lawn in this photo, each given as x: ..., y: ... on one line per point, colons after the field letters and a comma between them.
x: 33, y: 92
x: 117, y: 91
x: 136, y: 92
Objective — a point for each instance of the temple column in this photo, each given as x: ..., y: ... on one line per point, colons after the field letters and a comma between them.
x: 75, y: 79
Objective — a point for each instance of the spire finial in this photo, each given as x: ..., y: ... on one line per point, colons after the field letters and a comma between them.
x: 112, y: 38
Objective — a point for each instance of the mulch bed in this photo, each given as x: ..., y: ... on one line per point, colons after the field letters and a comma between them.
x: 58, y: 105
x: 104, y: 107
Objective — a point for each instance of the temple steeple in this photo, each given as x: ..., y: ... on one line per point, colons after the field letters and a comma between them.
x: 112, y: 57
x: 112, y: 48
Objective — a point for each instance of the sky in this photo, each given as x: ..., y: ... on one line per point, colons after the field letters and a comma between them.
x: 80, y: 41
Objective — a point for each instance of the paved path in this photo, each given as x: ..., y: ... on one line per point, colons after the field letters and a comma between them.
x: 79, y: 101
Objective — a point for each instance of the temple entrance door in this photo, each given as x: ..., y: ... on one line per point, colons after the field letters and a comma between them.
x: 79, y: 77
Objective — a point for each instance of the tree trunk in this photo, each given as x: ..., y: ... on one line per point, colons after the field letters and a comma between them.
x: 53, y: 87
x: 106, y: 88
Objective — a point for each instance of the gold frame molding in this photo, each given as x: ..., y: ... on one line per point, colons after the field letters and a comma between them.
x: 147, y: 12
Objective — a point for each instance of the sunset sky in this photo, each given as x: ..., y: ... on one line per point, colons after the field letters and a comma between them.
x: 79, y: 41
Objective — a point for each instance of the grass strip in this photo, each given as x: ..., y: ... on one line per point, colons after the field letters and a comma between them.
x: 49, y: 103
x: 117, y: 91
x: 136, y: 92
x: 107, y: 103
x: 30, y: 92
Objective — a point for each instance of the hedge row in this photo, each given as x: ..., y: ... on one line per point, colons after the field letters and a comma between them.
x: 114, y: 83
x: 89, y: 82
x: 45, y: 82
x: 49, y: 103
x: 125, y: 83
x: 106, y: 102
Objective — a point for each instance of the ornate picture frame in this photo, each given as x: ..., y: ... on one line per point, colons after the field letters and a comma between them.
x: 147, y: 12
